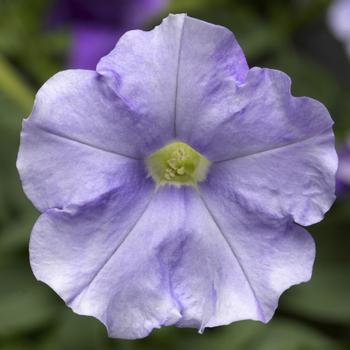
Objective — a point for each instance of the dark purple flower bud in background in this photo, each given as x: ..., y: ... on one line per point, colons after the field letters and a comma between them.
x: 343, y: 173
x: 97, y: 25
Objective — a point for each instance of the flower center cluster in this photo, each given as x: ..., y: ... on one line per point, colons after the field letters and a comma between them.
x: 177, y: 164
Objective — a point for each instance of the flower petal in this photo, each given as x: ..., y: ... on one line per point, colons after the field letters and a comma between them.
x: 274, y: 150
x: 274, y: 254
x: 79, y: 104
x: 168, y: 263
x: 257, y: 115
x: 76, y: 144
x: 180, y: 62
x: 57, y: 172
x: 69, y: 247
x: 296, y: 180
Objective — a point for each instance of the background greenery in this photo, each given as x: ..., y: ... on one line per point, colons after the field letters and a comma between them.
x: 287, y: 35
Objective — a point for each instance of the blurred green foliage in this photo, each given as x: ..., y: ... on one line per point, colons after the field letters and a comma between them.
x: 288, y: 35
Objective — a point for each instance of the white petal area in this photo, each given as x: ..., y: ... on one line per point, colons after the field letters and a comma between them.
x: 294, y: 181
x: 57, y: 172
x: 167, y: 72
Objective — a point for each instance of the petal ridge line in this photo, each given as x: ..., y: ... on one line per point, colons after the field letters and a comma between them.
x: 258, y: 304
x: 63, y: 136
x: 86, y: 286
x: 178, y: 73
x: 322, y: 133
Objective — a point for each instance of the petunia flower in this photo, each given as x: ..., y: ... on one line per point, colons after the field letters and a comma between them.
x: 343, y: 172
x: 339, y: 21
x: 98, y: 24
x: 174, y: 181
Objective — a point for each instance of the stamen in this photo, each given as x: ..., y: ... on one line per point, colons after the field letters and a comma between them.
x: 177, y: 164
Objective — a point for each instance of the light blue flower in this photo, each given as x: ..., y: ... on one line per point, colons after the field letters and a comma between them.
x: 173, y: 182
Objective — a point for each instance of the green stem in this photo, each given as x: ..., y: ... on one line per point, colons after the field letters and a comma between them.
x: 13, y: 86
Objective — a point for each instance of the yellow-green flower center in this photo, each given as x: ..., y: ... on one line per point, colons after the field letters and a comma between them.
x: 177, y: 164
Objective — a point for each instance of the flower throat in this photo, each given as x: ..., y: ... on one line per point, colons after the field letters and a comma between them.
x: 177, y: 164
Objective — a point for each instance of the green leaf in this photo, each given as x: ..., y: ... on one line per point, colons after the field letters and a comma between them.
x: 17, y: 345
x: 278, y: 334
x: 14, y: 87
x: 325, y: 297
x: 75, y: 332
x: 289, y: 335
x: 15, y: 235
x: 25, y: 304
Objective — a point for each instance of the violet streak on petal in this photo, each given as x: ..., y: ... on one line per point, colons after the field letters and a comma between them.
x: 139, y: 255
